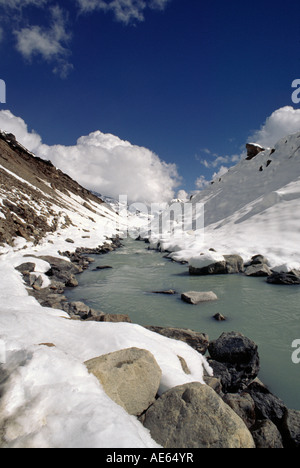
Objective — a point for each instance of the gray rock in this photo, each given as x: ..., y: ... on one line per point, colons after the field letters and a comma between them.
x: 240, y: 356
x: 61, y: 270
x: 170, y: 292
x: 130, y: 377
x: 102, y: 267
x: 291, y: 428
x: 234, y: 264
x: 80, y: 309
x: 266, y: 435
x: 258, y: 259
x: 198, y: 341
x: 222, y: 373
x: 218, y: 268
x: 195, y: 297
x: 194, y: 416
x: 243, y: 405
x: 267, y: 405
x: 219, y: 317
x: 258, y: 269
x: 290, y: 278
x: 26, y: 268
x: 231, y: 264
x: 115, y: 318
x: 72, y: 282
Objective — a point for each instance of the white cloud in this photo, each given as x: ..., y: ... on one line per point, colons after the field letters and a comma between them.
x: 201, y: 182
x: 222, y: 170
x: 52, y: 43
x: 183, y: 195
x: 104, y: 163
x: 125, y: 11
x: 47, y: 42
x: 282, y: 122
x: 11, y: 124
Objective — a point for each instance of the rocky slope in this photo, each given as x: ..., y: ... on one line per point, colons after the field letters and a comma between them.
x: 37, y: 199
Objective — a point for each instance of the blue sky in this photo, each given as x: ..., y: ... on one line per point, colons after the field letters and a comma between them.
x: 189, y: 80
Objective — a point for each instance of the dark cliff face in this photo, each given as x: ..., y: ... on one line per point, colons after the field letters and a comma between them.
x: 34, y: 194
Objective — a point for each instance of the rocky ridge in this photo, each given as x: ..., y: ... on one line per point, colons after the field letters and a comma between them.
x: 37, y: 199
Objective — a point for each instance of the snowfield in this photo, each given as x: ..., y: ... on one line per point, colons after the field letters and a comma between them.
x: 253, y: 209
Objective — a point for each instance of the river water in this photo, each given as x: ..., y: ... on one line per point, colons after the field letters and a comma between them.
x: 267, y: 314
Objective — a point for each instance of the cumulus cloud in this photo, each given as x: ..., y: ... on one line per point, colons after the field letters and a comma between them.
x: 47, y: 42
x: 11, y: 124
x: 104, y: 163
x: 282, y: 122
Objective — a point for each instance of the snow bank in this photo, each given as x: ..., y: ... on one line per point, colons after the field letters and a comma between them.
x: 48, y: 399
x: 253, y: 209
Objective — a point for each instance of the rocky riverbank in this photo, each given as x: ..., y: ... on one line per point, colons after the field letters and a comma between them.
x: 234, y: 409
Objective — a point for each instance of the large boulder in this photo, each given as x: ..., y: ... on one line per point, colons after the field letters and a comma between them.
x: 258, y: 269
x: 239, y: 355
x: 243, y: 405
x: 61, y: 270
x: 267, y: 405
x: 234, y: 264
x: 291, y: 428
x: 230, y: 264
x: 290, y: 278
x: 194, y: 416
x: 130, y: 377
x: 266, y: 435
x: 253, y: 149
x: 195, y: 297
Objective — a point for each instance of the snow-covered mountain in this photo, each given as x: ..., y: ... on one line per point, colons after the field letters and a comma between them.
x: 253, y: 209
x: 39, y: 204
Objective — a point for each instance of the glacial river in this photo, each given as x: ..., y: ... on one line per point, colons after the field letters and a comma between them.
x: 267, y: 314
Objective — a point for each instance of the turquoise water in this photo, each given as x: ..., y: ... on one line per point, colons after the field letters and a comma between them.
x: 268, y: 314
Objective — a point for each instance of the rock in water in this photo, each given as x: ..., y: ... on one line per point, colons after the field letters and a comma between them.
x: 194, y: 416
x: 130, y: 377
x: 195, y: 297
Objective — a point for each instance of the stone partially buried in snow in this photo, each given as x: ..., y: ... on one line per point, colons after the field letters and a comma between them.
x: 196, y: 297
x: 130, y: 377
